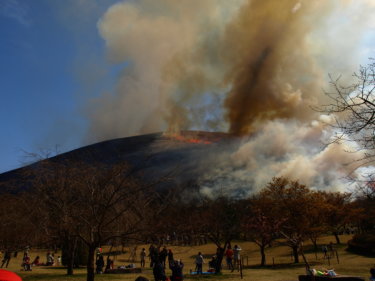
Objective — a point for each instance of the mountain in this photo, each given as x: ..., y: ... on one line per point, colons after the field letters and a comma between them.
x: 185, y: 156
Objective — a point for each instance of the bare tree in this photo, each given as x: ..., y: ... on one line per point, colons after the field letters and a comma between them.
x: 96, y: 203
x: 112, y: 204
x: 353, y: 107
x: 260, y: 225
x: 16, y: 227
x: 220, y: 220
x: 365, y: 200
x: 52, y: 201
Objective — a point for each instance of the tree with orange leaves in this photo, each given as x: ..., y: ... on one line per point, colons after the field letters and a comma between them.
x: 317, y: 217
x: 290, y: 202
x: 340, y: 212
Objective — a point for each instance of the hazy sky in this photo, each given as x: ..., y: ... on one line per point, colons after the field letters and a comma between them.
x: 55, y: 68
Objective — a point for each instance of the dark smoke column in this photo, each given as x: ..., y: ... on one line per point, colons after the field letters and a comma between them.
x: 271, y: 73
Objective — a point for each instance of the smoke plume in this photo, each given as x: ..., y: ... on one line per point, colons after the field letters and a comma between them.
x: 160, y: 40
x: 254, y: 60
x: 272, y: 75
x: 249, y: 67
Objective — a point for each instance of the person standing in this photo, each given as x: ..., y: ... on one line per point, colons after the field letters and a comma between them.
x: 199, y: 260
x: 325, y: 251
x: 236, y: 257
x: 163, y: 256
x: 99, y: 264
x: 50, y: 259
x: 170, y: 257
x: 229, y: 257
x: 6, y: 259
x: 159, y: 272
x: 153, y: 255
x: 143, y: 257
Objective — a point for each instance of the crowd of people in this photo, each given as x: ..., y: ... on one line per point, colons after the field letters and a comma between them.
x: 50, y: 261
x: 102, y: 266
x: 26, y: 260
x: 160, y: 258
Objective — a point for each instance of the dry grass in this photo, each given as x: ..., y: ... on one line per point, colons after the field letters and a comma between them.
x: 283, y: 270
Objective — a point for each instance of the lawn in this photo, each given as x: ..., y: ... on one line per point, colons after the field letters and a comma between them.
x: 279, y: 264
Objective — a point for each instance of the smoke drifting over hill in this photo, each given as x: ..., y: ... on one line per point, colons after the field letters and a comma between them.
x: 242, y: 66
x: 281, y: 149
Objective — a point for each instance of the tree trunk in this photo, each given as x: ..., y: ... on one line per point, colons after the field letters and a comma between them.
x: 263, y: 254
x: 72, y: 245
x: 220, y: 255
x: 305, y: 259
x: 337, y: 237
x: 91, y: 263
x: 295, y: 254
x: 69, y: 269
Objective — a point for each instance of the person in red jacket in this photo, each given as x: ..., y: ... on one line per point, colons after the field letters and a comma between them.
x: 26, y: 262
x: 229, y: 257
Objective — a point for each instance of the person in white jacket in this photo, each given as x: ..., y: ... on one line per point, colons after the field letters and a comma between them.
x: 236, y: 257
x: 199, y: 261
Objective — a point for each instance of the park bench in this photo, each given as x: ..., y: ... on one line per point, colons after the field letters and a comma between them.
x: 328, y: 278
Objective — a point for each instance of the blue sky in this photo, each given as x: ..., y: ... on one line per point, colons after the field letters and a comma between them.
x: 47, y: 51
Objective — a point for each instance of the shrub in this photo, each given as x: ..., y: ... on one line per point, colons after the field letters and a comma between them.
x: 363, y: 243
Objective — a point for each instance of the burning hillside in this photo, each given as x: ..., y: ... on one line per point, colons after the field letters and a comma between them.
x: 198, y: 137
x: 220, y: 163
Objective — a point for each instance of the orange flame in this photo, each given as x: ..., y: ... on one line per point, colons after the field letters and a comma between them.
x: 189, y: 140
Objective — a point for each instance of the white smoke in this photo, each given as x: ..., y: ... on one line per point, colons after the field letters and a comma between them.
x: 284, y: 149
x: 151, y: 36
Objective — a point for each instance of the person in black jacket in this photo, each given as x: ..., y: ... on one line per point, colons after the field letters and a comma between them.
x: 99, y: 264
x: 163, y: 256
x: 158, y: 271
x: 6, y: 259
x: 170, y: 258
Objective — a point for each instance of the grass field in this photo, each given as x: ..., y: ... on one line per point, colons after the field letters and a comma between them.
x: 282, y: 270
